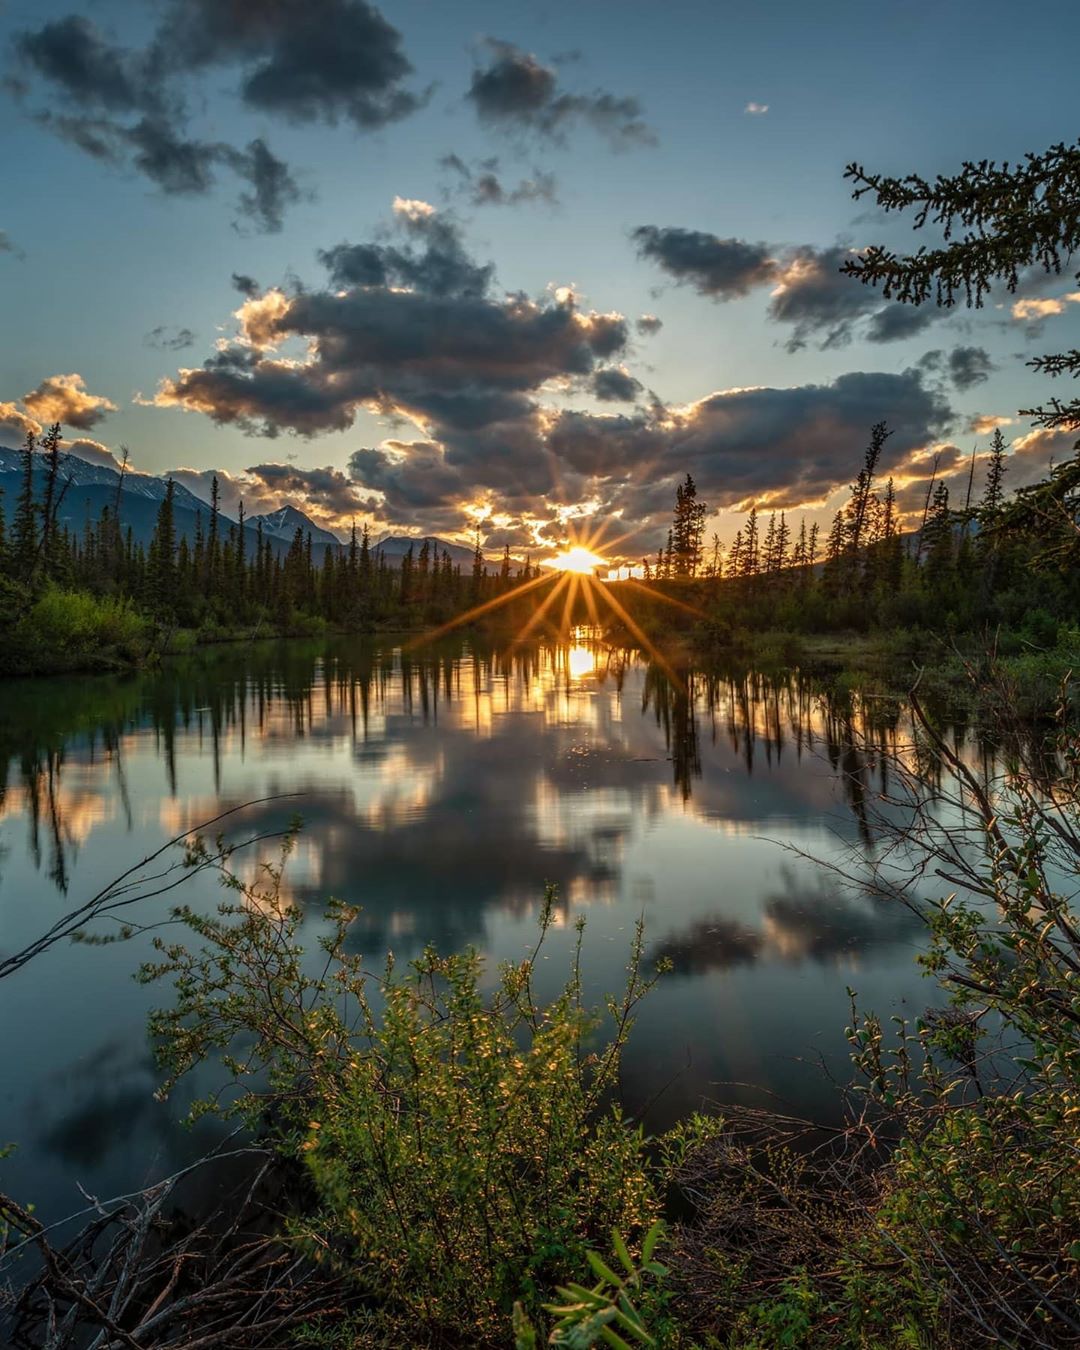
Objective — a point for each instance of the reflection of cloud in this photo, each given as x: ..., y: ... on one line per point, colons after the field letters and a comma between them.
x: 807, y: 921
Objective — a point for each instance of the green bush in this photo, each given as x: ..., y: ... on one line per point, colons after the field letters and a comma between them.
x: 66, y: 630
x: 463, y: 1146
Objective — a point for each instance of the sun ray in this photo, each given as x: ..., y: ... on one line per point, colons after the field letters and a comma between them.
x: 541, y: 610
x: 576, y: 579
x: 659, y: 595
x: 642, y: 637
x: 588, y: 587
x: 476, y: 611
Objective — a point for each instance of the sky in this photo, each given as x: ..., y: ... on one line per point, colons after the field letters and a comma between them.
x: 516, y: 267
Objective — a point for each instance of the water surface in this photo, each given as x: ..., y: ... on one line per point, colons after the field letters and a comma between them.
x: 440, y: 790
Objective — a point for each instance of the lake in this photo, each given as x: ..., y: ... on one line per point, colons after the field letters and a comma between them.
x: 440, y: 788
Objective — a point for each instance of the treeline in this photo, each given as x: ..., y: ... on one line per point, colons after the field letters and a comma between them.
x: 69, y: 595
x: 987, y: 562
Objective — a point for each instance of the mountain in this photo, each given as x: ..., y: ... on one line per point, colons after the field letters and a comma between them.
x: 395, y: 546
x: 283, y: 524
x: 88, y: 488
x: 91, y: 487
x: 82, y: 474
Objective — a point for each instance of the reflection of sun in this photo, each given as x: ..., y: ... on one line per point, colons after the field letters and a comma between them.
x: 580, y: 662
x: 576, y: 559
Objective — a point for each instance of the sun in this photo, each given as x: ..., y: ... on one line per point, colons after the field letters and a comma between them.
x: 576, y: 559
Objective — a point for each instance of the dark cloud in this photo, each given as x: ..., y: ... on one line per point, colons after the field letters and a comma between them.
x: 335, y: 60
x: 810, y: 293
x: 513, y: 90
x: 174, y: 162
x: 417, y: 484
x: 272, y: 189
x: 73, y: 54
x: 441, y: 267
x: 722, y: 268
x: 402, y: 333
x: 327, y: 489
x: 408, y: 329
x: 338, y: 60
x: 969, y: 366
x: 247, y: 286
x: 168, y: 339
x: 92, y: 451
x: 615, y: 385
x: 893, y: 323
x: 647, y: 324
x: 481, y: 184
x: 818, y: 300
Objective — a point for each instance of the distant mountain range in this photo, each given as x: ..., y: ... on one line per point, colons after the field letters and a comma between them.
x: 90, y: 487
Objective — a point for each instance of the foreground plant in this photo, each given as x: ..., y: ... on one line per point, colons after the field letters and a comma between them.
x: 463, y: 1148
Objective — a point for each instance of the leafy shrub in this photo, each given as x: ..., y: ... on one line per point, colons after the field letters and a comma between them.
x: 463, y: 1147
x: 65, y: 630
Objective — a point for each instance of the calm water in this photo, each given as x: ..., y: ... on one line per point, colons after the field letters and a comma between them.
x: 440, y: 790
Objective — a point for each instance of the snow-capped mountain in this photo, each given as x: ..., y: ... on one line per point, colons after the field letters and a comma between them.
x: 80, y: 473
x: 283, y: 524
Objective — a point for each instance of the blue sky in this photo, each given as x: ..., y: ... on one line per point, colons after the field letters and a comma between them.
x: 100, y: 256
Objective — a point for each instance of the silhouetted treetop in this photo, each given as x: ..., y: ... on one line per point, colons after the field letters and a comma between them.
x: 997, y: 220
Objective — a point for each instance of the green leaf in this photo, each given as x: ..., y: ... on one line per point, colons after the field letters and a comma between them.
x: 603, y: 1271
x: 622, y: 1251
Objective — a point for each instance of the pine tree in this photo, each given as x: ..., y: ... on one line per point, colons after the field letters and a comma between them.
x: 993, y: 493
x: 162, y: 559
x: 25, y: 542
x: 688, y: 530
x: 50, y: 449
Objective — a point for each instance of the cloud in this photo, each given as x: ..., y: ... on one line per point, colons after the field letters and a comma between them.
x: 648, y: 324
x: 756, y: 109
x: 721, y: 268
x: 615, y: 385
x: 15, y: 425
x: 782, y: 448
x: 1035, y: 308
x: 246, y: 285
x: 810, y: 293
x: 272, y: 186
x: 895, y: 322
x: 166, y: 338
x: 338, y: 60
x: 73, y: 54
x: 512, y: 90
x: 818, y: 301
x: 401, y: 333
x: 433, y: 261
x: 411, y: 330
x: 1034, y: 453
x: 984, y: 423
x: 969, y: 366
x: 481, y: 184
x: 8, y: 245
x: 91, y: 451
x: 328, y: 491
x: 1028, y: 461
x: 416, y: 483
x: 64, y: 399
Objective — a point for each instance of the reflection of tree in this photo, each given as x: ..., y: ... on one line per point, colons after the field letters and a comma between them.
x: 296, y: 692
x: 673, y: 698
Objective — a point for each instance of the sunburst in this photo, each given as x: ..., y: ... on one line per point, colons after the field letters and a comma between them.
x: 570, y: 573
